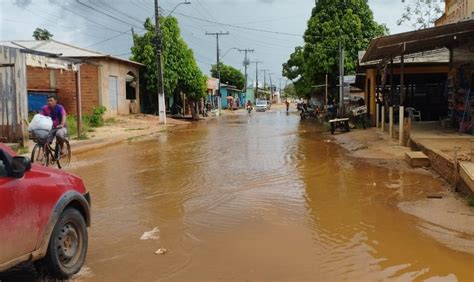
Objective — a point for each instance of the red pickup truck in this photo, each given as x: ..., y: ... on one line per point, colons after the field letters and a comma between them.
x: 44, y: 215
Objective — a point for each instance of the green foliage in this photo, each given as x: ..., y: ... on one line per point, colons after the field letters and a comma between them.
x: 421, y: 14
x: 42, y: 34
x: 229, y: 75
x: 96, y: 119
x: 470, y: 201
x: 350, y: 23
x: 71, y: 122
x: 181, y: 72
x: 289, y: 91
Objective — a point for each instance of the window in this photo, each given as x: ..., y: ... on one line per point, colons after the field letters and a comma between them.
x: 3, y: 169
x: 131, y: 86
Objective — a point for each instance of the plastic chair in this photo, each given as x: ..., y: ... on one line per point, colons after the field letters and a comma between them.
x: 413, y: 114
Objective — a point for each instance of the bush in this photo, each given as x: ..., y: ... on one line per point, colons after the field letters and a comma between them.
x: 71, y: 122
x: 96, y: 119
x: 471, y: 201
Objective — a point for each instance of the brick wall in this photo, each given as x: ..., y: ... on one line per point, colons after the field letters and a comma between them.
x: 89, y: 87
x: 37, y: 78
x: 40, y: 79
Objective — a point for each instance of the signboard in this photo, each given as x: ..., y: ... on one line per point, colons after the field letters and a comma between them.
x: 359, y: 111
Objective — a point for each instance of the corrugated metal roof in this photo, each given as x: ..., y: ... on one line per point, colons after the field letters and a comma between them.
x: 440, y: 56
x: 60, y: 49
x: 418, y: 41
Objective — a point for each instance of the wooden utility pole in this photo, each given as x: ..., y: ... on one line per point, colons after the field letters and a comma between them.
x: 265, y: 79
x: 341, y: 79
x: 326, y: 92
x: 78, y: 101
x: 217, y: 34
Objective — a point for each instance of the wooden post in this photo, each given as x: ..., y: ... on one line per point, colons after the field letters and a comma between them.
x: 390, y: 122
x: 78, y: 101
x: 406, y: 131
x: 401, y: 114
x: 377, y: 115
x: 456, y: 168
x: 383, y: 118
x: 402, y: 77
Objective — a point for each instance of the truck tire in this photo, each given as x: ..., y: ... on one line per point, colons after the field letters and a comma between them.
x: 67, y: 246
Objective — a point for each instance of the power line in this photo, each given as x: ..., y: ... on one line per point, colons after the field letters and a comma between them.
x: 108, y: 39
x: 88, y: 19
x: 112, y: 9
x: 213, y: 18
x: 122, y: 54
x: 106, y: 14
x: 239, y: 27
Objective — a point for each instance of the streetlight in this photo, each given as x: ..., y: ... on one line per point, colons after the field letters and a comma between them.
x: 186, y: 2
x: 226, y: 52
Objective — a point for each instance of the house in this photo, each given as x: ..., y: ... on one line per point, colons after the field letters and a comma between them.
x: 455, y: 11
x: 105, y: 80
x: 425, y: 75
x: 431, y: 69
x: 212, y: 88
x: 228, y: 91
x: 14, y: 63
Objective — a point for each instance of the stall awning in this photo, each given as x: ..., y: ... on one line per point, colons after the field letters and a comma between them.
x: 418, y: 41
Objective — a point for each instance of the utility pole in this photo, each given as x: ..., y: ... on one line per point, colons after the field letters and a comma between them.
x: 341, y: 80
x: 256, y: 78
x: 271, y: 87
x: 326, y: 92
x: 159, y: 63
x: 246, y: 64
x: 265, y: 78
x: 217, y: 34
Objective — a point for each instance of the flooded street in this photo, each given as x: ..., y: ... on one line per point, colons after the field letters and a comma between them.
x: 259, y: 197
x: 251, y: 198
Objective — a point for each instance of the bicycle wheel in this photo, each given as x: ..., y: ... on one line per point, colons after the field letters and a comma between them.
x: 39, y: 156
x: 63, y: 160
x: 36, y: 153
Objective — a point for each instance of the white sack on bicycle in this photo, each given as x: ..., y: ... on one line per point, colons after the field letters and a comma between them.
x: 40, y: 122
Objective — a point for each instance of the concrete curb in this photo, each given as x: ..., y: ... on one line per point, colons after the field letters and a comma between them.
x: 98, y: 144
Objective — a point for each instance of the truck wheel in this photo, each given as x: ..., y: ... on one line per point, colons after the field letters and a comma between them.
x: 67, y: 247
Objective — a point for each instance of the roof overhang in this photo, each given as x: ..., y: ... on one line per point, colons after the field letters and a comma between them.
x: 445, y: 36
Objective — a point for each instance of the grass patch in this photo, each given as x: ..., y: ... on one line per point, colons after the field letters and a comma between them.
x: 89, y: 123
x: 22, y: 151
x: 136, y: 129
x: 72, y: 127
x: 110, y: 121
x: 470, y: 201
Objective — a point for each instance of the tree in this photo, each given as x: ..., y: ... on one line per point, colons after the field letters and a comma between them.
x: 332, y: 23
x: 181, y: 72
x: 42, y: 34
x: 421, y: 14
x: 289, y: 91
x: 229, y: 75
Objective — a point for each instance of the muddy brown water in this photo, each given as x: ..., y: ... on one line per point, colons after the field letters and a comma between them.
x: 260, y: 197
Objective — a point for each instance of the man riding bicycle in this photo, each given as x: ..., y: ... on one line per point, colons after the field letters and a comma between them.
x: 58, y: 114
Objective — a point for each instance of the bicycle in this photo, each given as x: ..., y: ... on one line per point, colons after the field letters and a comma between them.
x: 44, y: 154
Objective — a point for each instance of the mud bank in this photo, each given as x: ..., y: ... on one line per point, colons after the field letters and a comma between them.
x: 445, y: 216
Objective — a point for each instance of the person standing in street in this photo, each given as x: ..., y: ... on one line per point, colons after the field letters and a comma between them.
x: 287, y: 106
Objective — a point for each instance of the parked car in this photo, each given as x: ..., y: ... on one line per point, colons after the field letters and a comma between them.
x: 44, y: 215
x: 261, y: 105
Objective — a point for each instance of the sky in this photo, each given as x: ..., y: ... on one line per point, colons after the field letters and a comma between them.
x: 284, y: 20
